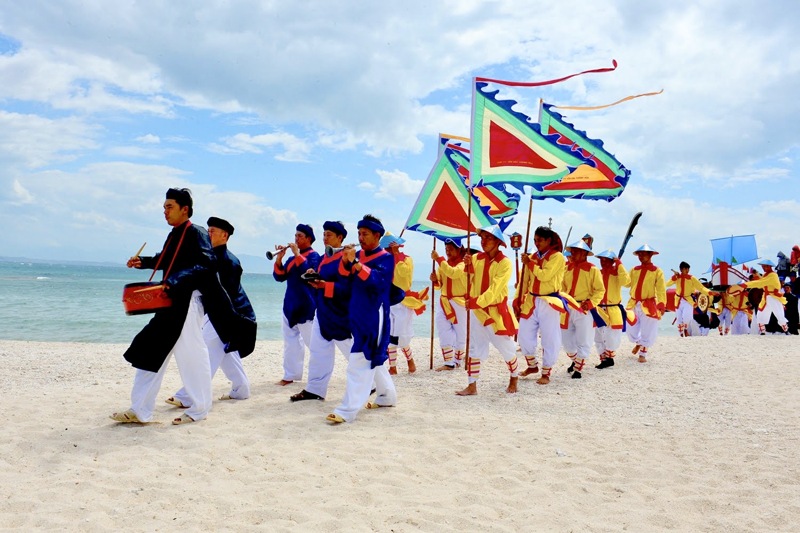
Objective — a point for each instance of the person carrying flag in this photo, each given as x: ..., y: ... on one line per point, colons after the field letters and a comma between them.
x: 608, y: 338
x: 451, y: 315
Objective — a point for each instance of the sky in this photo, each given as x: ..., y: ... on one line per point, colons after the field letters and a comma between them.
x: 275, y: 113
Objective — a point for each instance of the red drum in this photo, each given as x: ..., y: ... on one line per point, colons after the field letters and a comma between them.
x: 144, y: 297
x: 672, y: 300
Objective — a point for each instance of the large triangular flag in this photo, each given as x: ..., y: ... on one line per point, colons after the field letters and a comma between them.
x: 442, y: 205
x: 508, y: 148
x: 602, y: 177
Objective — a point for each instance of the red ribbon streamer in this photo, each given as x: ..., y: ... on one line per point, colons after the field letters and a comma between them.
x: 549, y: 82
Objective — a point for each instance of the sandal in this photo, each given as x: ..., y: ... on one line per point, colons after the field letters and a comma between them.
x: 177, y: 403
x: 183, y: 419
x: 305, y: 395
x: 333, y: 418
x: 127, y: 417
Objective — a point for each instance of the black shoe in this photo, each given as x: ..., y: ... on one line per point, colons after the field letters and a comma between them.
x: 305, y: 395
x: 576, y: 375
x: 571, y: 369
x: 605, y: 363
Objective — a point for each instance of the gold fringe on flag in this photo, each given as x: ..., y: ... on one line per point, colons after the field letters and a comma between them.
x: 592, y: 108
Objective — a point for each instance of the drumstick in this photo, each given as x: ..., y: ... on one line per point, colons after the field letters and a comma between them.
x: 154, y: 287
x: 140, y: 249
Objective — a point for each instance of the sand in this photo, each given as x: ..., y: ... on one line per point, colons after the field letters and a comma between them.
x: 704, y: 437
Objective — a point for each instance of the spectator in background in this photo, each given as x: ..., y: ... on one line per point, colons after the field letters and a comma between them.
x: 792, y: 311
x: 794, y: 261
x: 782, y: 268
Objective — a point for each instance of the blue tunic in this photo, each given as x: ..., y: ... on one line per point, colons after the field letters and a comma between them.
x: 333, y: 301
x: 298, y: 303
x: 369, y: 304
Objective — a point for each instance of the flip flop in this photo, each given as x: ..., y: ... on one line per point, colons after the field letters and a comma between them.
x: 373, y: 405
x: 172, y: 401
x: 183, y: 419
x: 333, y: 418
x: 127, y: 417
x: 305, y: 395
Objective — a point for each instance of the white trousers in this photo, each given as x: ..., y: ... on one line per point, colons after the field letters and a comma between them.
x: 230, y: 363
x: 295, y: 341
x: 321, y: 359
x: 607, y: 338
x: 191, y: 356
x: 360, y: 378
x: 684, y: 314
x: 739, y: 324
x: 481, y: 337
x: 725, y: 318
x: 545, y: 321
x: 773, y: 307
x: 452, y: 335
x: 645, y: 331
x: 578, y: 336
x: 401, y: 324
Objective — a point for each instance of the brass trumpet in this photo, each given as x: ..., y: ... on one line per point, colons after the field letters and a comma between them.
x: 330, y: 250
x: 278, y: 248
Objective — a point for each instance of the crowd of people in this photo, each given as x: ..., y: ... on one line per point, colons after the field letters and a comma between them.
x: 361, y: 302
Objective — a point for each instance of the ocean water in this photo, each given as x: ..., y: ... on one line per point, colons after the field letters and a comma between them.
x: 78, y: 303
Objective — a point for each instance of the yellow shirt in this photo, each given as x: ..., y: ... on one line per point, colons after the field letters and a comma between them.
x: 614, y: 279
x: 772, y: 287
x: 489, y: 292
x: 452, y: 282
x: 403, y: 276
x: 685, y: 286
x: 543, y: 275
x: 648, y: 287
x: 583, y: 282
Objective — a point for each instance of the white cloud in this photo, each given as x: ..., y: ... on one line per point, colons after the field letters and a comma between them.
x: 293, y: 148
x: 396, y: 184
x: 148, y: 139
x: 33, y: 141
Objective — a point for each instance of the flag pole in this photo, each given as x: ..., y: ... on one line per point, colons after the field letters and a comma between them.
x: 433, y: 300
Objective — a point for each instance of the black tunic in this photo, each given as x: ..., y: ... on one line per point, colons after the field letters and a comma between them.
x: 192, y: 270
x: 229, y: 309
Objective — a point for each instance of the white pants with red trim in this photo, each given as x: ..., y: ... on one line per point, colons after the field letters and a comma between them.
x: 545, y: 321
x: 360, y: 378
x: 739, y: 324
x: 191, y: 356
x: 452, y: 335
x: 295, y: 341
x: 321, y: 359
x: 773, y: 307
x: 607, y: 338
x: 645, y: 331
x: 684, y: 314
x: 578, y: 336
x: 482, y: 337
x: 230, y: 363
x: 402, y: 324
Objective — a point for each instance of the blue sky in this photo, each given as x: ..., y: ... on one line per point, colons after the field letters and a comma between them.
x: 275, y: 113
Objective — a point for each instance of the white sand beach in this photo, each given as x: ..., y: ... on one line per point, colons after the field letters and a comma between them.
x: 704, y: 437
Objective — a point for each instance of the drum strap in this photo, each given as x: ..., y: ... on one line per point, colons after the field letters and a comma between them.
x: 161, y: 255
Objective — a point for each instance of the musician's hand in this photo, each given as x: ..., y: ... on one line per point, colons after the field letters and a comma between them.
x: 134, y: 262
x: 280, y: 254
x: 295, y: 249
x: 317, y: 284
x: 349, y: 254
x: 434, y: 255
x: 468, y: 259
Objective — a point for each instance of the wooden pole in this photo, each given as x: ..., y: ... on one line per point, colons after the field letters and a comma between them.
x: 433, y: 300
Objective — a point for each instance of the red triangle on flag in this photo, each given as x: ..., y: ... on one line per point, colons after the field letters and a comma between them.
x: 447, y: 209
x: 506, y: 149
